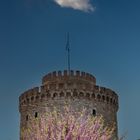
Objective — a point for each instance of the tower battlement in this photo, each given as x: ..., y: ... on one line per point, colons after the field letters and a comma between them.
x: 66, y: 75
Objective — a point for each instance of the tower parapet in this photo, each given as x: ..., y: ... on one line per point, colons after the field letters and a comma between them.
x: 66, y: 75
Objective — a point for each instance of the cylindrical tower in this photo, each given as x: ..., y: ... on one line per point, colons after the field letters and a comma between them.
x: 77, y: 88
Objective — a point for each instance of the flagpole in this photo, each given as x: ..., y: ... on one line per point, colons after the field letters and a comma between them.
x: 69, y: 60
x: 68, y: 52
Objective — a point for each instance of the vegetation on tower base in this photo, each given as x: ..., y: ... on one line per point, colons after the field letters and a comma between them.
x: 66, y: 125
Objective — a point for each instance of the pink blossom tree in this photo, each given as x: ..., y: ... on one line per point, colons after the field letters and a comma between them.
x: 69, y: 125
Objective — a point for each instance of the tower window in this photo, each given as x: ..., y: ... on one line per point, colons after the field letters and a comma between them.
x: 75, y: 94
x: 107, y: 99
x: 36, y: 114
x: 37, y: 97
x: 94, y: 112
x: 103, y: 97
x: 93, y: 95
x: 61, y: 94
x: 42, y: 96
x: 99, y: 96
x: 32, y: 98
x: 27, y: 117
x: 28, y: 100
x: 54, y: 95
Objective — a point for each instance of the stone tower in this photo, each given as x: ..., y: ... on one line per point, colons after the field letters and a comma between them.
x: 79, y: 88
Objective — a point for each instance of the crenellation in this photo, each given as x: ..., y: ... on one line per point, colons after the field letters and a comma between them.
x: 54, y: 74
x: 83, y: 74
x: 68, y: 75
x: 87, y: 76
x: 78, y: 73
x: 43, y: 89
x: 71, y: 73
x: 59, y: 73
x: 96, y: 89
x: 102, y: 90
x: 65, y: 73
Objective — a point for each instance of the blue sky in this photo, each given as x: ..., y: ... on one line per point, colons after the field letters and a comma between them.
x: 104, y: 40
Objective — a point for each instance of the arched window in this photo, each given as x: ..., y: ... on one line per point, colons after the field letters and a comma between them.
x: 107, y: 99
x: 32, y: 98
x: 94, y: 112
x: 61, y: 94
x: 54, y: 95
x: 68, y: 94
x: 81, y: 94
x: 75, y: 94
x: 42, y: 96
x: 114, y: 102
x: 88, y: 95
x: 103, y: 97
x: 111, y: 100
x: 37, y: 97
x: 99, y: 97
x: 93, y: 95
x: 48, y: 95
x: 28, y: 100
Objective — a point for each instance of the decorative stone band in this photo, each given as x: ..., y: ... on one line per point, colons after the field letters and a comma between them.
x: 98, y: 94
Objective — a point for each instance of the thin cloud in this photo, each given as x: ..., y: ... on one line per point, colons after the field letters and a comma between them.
x: 83, y: 5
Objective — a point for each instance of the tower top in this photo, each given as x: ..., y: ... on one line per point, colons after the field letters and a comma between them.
x: 73, y: 81
x: 67, y: 75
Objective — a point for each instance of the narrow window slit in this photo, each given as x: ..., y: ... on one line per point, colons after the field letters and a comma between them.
x: 94, y: 112
x: 27, y: 117
x: 36, y: 114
